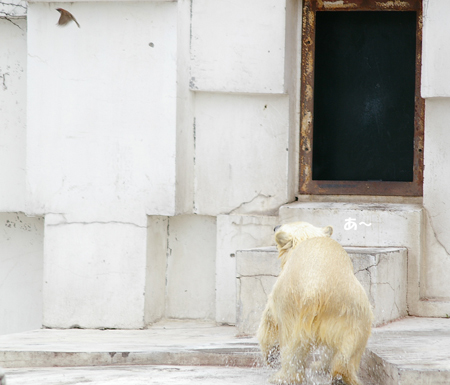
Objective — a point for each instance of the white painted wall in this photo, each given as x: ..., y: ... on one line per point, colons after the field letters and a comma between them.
x: 94, y: 274
x: 101, y: 150
x: 13, y: 60
x: 191, y: 267
x: 21, y: 265
x: 241, y: 153
x: 181, y: 267
x: 436, y: 265
x: 101, y: 143
x: 13, y: 9
x: 162, y: 108
x: 238, y: 46
x: 434, y: 290
x: 156, y: 273
x: 236, y: 232
x: 435, y: 50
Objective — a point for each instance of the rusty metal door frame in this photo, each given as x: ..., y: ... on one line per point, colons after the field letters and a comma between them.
x: 307, y: 184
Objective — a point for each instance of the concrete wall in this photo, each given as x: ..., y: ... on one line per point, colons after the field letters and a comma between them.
x: 435, y: 264
x: 436, y: 261
x: 101, y: 143
x: 236, y: 232
x: 181, y: 268
x: 21, y: 272
x: 101, y: 149
x: 160, y: 136
x: 251, y: 51
x: 13, y: 83
x: 239, y: 139
x: 94, y: 274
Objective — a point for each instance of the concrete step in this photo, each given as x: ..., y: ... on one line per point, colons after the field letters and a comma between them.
x: 166, y: 343
x: 381, y: 271
x: 138, y: 375
x: 372, y: 224
x: 412, y: 351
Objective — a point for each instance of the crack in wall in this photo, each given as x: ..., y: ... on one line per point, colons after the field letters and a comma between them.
x: 258, y: 195
x: 194, y: 133
x: 97, y: 223
x: 12, y: 22
x: 430, y: 220
x: 13, y: 4
x: 368, y: 267
x: 257, y: 276
x: 168, y: 255
x: 3, y: 76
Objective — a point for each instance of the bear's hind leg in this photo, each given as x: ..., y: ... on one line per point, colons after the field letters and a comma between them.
x: 346, y: 369
x: 268, y: 337
x: 292, y: 371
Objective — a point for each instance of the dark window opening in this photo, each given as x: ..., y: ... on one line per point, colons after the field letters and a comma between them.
x: 364, y: 89
x: 362, y: 117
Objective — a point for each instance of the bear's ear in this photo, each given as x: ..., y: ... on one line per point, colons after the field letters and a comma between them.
x: 327, y: 231
x: 282, y: 238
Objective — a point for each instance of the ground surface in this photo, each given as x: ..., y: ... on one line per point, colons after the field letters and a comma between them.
x: 413, y: 351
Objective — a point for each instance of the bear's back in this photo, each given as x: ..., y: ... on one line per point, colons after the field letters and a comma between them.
x: 320, y: 266
x: 320, y: 253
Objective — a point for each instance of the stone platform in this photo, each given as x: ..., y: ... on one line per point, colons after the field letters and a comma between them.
x: 413, y: 351
x: 380, y: 270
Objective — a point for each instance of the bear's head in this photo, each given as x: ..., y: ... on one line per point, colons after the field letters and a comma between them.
x: 288, y: 236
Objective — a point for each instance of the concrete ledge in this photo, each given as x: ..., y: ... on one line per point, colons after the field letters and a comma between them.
x: 372, y: 224
x: 413, y: 351
x: 381, y: 271
x: 167, y: 343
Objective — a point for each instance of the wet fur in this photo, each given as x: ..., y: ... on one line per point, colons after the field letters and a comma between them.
x: 316, y: 301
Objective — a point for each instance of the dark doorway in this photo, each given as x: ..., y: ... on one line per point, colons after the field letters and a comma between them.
x: 362, y: 114
x: 364, y: 96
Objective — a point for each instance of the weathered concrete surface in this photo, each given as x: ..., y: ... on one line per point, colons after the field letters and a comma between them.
x: 137, y: 375
x: 380, y: 270
x: 167, y: 343
x: 413, y: 351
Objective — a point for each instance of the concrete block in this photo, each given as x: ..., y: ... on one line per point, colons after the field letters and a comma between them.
x: 256, y: 273
x: 232, y: 174
x: 381, y: 271
x: 434, y: 288
x: 191, y: 267
x: 238, y: 46
x: 408, y: 352
x: 372, y: 225
x: 21, y: 272
x: 236, y: 232
x: 101, y: 144
x: 435, y: 50
x: 156, y: 277
x: 15, y: 9
x: 94, y: 274
x: 13, y: 102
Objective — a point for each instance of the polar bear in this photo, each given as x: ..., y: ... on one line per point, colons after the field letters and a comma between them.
x: 315, y: 302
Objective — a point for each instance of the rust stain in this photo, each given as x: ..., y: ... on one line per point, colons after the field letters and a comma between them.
x: 392, y: 4
x: 339, y: 5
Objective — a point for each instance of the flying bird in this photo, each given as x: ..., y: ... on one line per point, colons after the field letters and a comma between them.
x: 66, y: 17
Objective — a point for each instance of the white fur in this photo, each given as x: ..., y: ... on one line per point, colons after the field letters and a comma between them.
x: 316, y: 301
